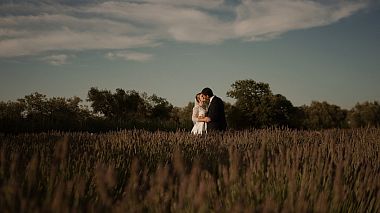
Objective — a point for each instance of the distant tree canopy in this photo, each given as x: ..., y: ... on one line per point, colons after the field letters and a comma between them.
x: 129, y: 105
x: 256, y: 107
x: 56, y: 108
x: 118, y: 105
x: 126, y: 109
x: 184, y: 115
x: 365, y: 114
x: 122, y: 109
x: 322, y: 115
x: 36, y: 112
x: 159, y: 107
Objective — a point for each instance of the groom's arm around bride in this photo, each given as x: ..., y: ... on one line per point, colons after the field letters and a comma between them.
x: 216, y: 119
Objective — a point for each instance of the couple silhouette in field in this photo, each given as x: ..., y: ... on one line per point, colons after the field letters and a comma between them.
x: 208, y: 113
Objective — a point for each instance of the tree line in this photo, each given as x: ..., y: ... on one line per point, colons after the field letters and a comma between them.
x: 256, y: 106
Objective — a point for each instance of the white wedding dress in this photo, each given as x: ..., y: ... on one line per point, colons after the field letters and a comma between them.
x: 199, y: 128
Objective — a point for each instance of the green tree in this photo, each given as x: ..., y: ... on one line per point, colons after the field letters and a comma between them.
x: 59, y: 113
x: 11, y: 116
x: 66, y: 113
x: 256, y: 106
x: 280, y: 111
x: 11, y: 110
x: 322, y: 115
x: 120, y: 105
x: 36, y: 112
x: 365, y: 114
x: 184, y: 115
x: 130, y: 109
x: 35, y: 105
x: 234, y: 116
x: 160, y: 107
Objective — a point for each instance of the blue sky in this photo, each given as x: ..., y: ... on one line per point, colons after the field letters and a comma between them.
x: 306, y: 50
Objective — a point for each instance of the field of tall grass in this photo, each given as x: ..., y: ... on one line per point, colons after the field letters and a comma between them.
x: 272, y: 170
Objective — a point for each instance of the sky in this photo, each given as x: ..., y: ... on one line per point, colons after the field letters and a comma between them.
x: 306, y: 50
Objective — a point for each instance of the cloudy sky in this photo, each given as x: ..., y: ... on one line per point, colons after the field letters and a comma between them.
x: 323, y: 50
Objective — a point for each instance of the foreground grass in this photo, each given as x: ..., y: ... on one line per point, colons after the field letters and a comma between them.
x: 132, y: 171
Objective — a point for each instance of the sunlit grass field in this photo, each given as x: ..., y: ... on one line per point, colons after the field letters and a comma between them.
x: 271, y: 170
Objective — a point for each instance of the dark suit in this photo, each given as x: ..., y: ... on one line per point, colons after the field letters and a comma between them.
x: 217, y: 115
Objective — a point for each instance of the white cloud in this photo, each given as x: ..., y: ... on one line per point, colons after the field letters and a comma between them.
x: 129, y: 56
x: 268, y: 19
x: 56, y: 59
x: 167, y: 21
x: 210, y: 4
x: 67, y: 39
x: 11, y: 32
x: 116, y: 25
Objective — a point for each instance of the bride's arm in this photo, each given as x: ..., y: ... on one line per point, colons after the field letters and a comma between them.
x: 202, y: 119
x: 194, y: 116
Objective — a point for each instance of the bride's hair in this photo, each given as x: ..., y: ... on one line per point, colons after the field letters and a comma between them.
x: 197, y: 97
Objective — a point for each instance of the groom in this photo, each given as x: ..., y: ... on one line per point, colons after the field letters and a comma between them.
x: 216, y: 118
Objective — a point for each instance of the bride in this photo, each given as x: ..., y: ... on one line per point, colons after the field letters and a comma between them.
x: 198, y: 116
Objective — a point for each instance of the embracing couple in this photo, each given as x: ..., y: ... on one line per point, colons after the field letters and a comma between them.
x: 208, y: 113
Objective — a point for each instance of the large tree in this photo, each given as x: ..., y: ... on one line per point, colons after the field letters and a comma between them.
x: 119, y: 105
x: 322, y: 115
x: 256, y: 106
x: 160, y: 107
x: 42, y: 113
x: 11, y: 116
x: 365, y: 114
x: 184, y: 115
x: 129, y: 105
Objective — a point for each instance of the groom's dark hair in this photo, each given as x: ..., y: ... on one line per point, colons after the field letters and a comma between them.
x: 207, y: 91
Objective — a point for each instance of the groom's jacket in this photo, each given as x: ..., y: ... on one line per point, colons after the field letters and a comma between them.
x: 217, y: 115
